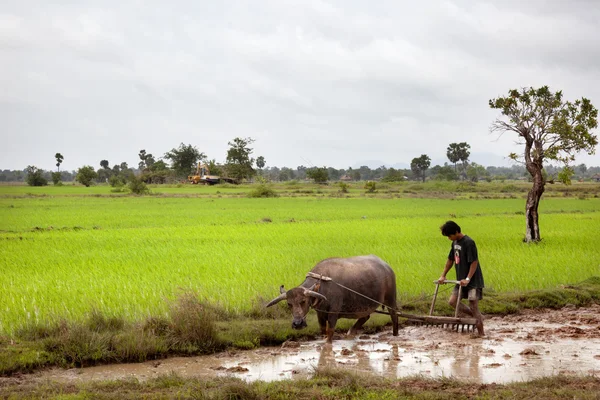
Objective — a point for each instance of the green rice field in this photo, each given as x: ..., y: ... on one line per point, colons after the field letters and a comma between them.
x: 66, y: 250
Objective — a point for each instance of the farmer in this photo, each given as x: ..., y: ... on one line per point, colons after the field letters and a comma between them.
x: 463, y: 254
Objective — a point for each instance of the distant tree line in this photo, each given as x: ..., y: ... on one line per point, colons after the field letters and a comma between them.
x: 182, y: 161
x: 160, y: 172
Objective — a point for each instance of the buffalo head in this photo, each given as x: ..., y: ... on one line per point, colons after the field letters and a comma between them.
x: 299, y: 300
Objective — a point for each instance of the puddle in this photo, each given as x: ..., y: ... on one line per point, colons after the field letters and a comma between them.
x: 516, y: 348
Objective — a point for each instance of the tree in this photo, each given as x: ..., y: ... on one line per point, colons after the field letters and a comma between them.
x: 393, y: 175
x: 59, y: 159
x: 104, y: 164
x: 35, y: 176
x: 550, y: 128
x: 458, y: 152
x: 239, y: 163
x: 86, y: 175
x: 476, y: 172
x: 319, y: 175
x: 286, y: 174
x: 444, y: 173
x: 184, y: 159
x: 582, y: 168
x: 260, y: 162
x: 419, y: 165
x: 146, y: 160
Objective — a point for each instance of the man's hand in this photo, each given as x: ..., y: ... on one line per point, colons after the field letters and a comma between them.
x: 464, y: 282
x: 442, y: 279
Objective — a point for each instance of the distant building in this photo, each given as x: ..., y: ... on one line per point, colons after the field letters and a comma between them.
x: 345, y: 178
x: 596, y: 177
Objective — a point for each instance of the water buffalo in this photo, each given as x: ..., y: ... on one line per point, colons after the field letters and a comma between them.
x: 343, y: 288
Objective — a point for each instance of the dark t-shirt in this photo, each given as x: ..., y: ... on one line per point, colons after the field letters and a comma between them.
x: 463, y: 252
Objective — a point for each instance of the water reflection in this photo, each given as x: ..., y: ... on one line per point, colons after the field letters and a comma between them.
x: 444, y: 354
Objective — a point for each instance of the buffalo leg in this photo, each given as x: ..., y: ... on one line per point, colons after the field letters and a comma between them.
x: 322, y: 318
x: 359, y: 323
x: 394, y: 316
x: 331, y: 321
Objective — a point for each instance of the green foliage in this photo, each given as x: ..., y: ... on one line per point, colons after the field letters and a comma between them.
x: 260, y: 162
x: 393, y: 175
x: 476, y: 172
x: 445, y: 173
x: 86, y: 175
x: 146, y: 160
x: 56, y: 179
x: 344, y: 187
x: 419, y: 165
x: 458, y: 152
x: 116, y: 181
x: 137, y: 186
x: 565, y: 175
x: 59, y: 159
x: 239, y: 163
x: 35, y: 176
x: 184, y: 159
x: 371, y: 186
x: 214, y: 168
x: 556, y: 129
x: 263, y: 190
x: 319, y: 175
x: 104, y: 164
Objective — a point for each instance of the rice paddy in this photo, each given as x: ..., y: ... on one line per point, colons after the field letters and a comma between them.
x: 63, y: 253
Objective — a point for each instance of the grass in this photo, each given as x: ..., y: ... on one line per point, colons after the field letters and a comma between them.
x: 129, y: 256
x: 326, y: 384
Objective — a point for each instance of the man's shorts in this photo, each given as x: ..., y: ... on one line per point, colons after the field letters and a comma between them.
x: 471, y: 294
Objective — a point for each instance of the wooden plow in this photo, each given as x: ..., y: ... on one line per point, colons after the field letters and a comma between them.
x: 454, y: 323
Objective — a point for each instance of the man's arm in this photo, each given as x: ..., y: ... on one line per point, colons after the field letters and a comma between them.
x: 447, y: 267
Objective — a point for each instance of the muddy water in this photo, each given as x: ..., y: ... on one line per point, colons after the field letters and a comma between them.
x: 516, y: 348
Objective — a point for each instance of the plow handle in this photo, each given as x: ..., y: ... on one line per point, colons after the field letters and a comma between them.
x: 437, y: 286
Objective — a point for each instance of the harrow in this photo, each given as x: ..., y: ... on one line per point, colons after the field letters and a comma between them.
x: 454, y: 323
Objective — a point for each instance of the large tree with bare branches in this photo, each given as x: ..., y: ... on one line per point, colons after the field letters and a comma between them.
x: 550, y: 128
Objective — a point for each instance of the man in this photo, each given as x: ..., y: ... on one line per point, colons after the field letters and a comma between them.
x: 463, y: 254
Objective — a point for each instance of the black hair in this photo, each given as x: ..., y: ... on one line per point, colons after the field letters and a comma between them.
x: 450, y: 228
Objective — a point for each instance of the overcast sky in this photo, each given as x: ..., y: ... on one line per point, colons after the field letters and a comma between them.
x: 315, y: 82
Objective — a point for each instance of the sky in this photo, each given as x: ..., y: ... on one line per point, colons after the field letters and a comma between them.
x: 338, y: 83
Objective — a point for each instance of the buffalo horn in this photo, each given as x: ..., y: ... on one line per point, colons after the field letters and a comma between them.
x: 312, y: 293
x: 282, y: 296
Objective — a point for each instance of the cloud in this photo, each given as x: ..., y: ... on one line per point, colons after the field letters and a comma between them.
x: 332, y: 82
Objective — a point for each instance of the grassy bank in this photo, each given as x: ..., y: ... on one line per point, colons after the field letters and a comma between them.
x: 326, y: 384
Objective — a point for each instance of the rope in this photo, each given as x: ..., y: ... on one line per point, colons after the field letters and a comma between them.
x: 327, y: 279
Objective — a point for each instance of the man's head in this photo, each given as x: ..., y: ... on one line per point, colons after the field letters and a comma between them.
x: 451, y: 230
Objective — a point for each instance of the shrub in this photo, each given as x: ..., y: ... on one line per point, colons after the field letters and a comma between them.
x: 35, y: 176
x: 56, y: 179
x: 371, y: 186
x: 86, y: 175
x: 344, y: 187
x: 137, y: 186
x: 116, y: 181
x: 263, y: 190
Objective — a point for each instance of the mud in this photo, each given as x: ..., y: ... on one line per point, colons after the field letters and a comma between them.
x: 519, y: 347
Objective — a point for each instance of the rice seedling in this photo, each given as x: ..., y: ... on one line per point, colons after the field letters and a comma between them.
x: 62, y: 256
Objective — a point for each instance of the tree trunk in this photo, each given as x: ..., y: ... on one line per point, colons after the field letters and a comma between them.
x: 531, y: 208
